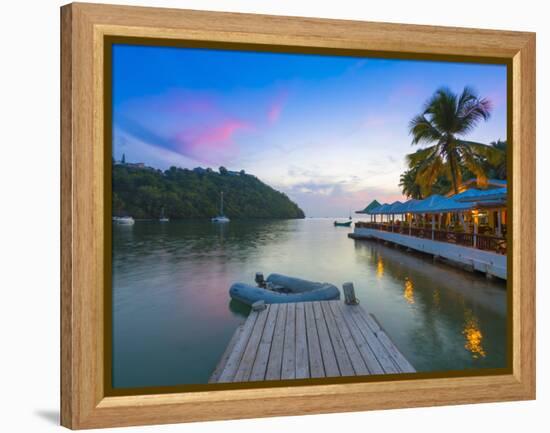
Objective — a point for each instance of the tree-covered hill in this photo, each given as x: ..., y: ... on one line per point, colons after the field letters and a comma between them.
x: 143, y: 192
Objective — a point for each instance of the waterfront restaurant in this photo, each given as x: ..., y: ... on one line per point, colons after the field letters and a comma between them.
x: 469, y: 227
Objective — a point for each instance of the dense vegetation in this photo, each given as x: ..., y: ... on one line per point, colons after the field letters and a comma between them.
x: 494, y: 168
x: 182, y: 193
x: 448, y: 158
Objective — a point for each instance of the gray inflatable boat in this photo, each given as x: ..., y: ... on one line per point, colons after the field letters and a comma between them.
x: 280, y: 289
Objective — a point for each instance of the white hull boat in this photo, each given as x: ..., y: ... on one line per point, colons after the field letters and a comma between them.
x: 163, y: 218
x: 221, y: 218
x: 125, y: 221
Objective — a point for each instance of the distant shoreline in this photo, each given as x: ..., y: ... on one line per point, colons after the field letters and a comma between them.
x: 329, y: 218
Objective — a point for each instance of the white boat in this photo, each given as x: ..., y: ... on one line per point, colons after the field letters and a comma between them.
x: 125, y: 220
x: 221, y: 218
x: 163, y: 219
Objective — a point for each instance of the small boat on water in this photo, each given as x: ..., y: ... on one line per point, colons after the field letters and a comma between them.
x: 163, y: 218
x: 280, y: 289
x: 342, y: 224
x: 125, y: 220
x: 221, y: 218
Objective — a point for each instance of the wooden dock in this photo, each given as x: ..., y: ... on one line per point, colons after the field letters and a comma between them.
x: 309, y: 340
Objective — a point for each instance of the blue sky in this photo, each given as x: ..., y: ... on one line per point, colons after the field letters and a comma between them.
x: 331, y: 132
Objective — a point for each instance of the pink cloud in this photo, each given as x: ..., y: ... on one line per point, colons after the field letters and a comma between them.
x: 194, y: 124
x: 276, y: 107
x: 211, y: 143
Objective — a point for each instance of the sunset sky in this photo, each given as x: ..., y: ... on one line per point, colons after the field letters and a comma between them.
x: 331, y: 132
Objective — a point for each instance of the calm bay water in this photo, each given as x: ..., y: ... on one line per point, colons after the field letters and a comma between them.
x: 172, y: 315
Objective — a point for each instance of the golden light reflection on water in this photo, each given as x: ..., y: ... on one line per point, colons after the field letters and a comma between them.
x: 379, y: 268
x: 408, y: 294
x: 473, y: 336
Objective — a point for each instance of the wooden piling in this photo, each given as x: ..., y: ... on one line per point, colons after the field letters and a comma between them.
x: 349, y: 294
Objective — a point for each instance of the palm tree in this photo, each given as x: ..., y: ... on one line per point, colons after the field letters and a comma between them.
x: 447, y: 117
x: 407, y: 182
x: 498, y: 161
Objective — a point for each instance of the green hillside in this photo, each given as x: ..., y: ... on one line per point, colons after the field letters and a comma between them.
x: 143, y: 192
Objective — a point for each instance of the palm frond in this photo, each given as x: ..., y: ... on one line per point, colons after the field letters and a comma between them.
x: 441, y: 109
x: 471, y: 110
x: 421, y: 155
x: 492, y: 154
x: 428, y: 174
x: 422, y: 130
x: 471, y: 162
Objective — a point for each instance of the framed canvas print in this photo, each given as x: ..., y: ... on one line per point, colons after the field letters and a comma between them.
x: 308, y: 215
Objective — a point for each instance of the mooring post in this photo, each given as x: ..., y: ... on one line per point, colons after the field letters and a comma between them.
x: 260, y: 279
x: 349, y: 294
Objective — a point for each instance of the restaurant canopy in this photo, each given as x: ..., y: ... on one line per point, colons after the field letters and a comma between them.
x: 481, y: 195
x: 373, y: 204
x: 467, y: 200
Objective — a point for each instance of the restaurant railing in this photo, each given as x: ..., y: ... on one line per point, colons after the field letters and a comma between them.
x: 485, y: 242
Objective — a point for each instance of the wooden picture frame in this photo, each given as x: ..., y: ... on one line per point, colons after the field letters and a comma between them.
x: 85, y: 265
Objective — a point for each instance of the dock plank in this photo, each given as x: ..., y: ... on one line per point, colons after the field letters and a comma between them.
x: 316, y: 366
x: 357, y: 361
x: 302, y: 358
x: 367, y: 354
x: 274, y: 364
x: 309, y: 340
x: 376, y: 346
x: 399, y: 359
x: 289, y: 346
x: 340, y: 351
x: 249, y: 356
x: 225, y: 356
x: 327, y: 350
x: 262, y: 357
x: 234, y: 360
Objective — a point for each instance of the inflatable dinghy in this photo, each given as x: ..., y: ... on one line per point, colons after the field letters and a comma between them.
x: 280, y: 289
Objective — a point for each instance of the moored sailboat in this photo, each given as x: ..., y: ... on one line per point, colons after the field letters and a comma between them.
x: 221, y: 218
x: 163, y: 218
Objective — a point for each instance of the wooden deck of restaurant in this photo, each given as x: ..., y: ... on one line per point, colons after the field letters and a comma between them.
x: 486, y: 242
x: 309, y: 340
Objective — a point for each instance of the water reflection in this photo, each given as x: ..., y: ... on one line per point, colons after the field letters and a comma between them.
x: 473, y: 335
x: 172, y: 316
x: 408, y: 294
x: 441, y: 330
x: 379, y: 268
x: 239, y: 308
